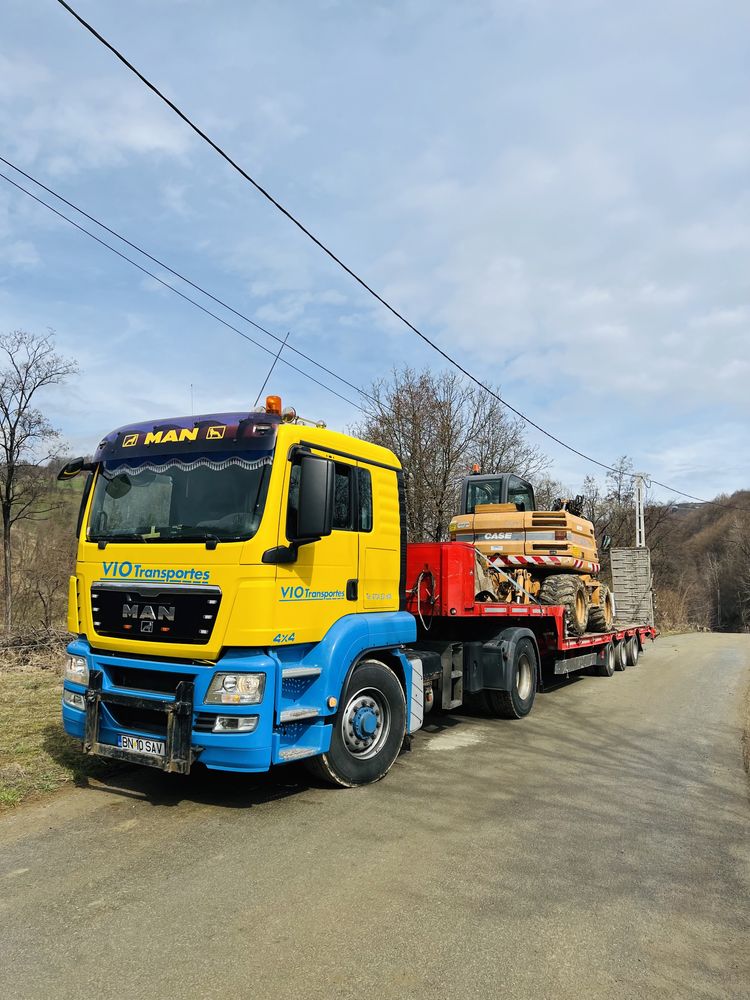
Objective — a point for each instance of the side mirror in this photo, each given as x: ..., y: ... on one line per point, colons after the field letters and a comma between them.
x: 72, y: 469
x: 315, y: 509
x: 606, y: 542
x: 317, y: 478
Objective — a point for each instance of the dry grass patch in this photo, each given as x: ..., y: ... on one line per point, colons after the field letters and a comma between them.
x: 36, y: 755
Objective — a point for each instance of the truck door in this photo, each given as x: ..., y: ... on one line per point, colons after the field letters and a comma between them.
x: 322, y: 584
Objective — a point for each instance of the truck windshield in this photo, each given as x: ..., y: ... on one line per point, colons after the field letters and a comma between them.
x: 220, y: 498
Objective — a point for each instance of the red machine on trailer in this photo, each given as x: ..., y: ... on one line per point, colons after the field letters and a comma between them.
x: 498, y: 653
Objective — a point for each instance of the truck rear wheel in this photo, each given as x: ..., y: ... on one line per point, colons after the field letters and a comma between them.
x: 517, y: 702
x: 602, y: 615
x: 368, y: 730
x: 569, y: 591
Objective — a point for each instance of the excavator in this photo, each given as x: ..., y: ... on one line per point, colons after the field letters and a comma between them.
x: 533, y: 556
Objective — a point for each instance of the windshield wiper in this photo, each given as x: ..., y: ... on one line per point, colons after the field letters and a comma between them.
x: 125, y: 536
x: 190, y: 534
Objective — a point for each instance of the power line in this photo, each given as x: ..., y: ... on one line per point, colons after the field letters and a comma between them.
x: 178, y: 274
x: 322, y: 246
x: 276, y: 355
x: 176, y: 291
x: 277, y: 204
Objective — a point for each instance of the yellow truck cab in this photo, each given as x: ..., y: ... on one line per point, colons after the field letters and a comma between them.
x: 239, y: 599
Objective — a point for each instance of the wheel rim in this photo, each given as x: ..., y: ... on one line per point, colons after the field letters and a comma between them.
x: 366, y: 723
x: 580, y: 607
x: 524, y: 677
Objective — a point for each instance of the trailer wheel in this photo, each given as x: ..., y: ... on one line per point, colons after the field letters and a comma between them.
x: 517, y: 702
x: 607, y: 667
x: 567, y: 590
x: 621, y: 655
x: 368, y: 730
x: 632, y: 649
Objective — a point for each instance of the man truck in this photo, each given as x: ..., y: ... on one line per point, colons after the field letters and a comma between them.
x: 244, y: 596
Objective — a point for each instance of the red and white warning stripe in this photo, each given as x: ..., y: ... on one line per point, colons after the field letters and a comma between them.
x: 579, y: 564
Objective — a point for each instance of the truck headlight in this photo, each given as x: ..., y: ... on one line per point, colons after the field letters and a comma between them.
x: 76, y: 669
x: 236, y: 689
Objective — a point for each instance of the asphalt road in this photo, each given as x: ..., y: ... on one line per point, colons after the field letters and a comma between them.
x: 599, y: 848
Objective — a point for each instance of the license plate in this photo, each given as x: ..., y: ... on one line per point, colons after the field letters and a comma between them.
x: 151, y: 748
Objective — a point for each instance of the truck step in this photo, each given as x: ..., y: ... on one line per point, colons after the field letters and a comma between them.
x: 290, y: 672
x: 294, y: 753
x: 296, y: 714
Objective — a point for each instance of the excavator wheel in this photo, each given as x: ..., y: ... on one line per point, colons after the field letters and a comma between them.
x: 569, y: 591
x: 602, y: 615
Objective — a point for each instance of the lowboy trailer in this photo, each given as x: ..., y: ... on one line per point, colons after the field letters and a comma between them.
x: 498, y: 653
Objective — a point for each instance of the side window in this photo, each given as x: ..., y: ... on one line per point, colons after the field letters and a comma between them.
x: 342, y: 498
x: 365, y: 500
x: 348, y: 515
x: 520, y: 493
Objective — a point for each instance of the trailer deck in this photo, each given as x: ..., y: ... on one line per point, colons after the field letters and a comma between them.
x: 441, y: 586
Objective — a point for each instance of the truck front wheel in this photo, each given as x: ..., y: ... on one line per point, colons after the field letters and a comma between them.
x: 368, y: 730
x: 517, y: 702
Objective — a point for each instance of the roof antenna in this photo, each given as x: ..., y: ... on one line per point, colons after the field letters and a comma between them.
x: 270, y: 370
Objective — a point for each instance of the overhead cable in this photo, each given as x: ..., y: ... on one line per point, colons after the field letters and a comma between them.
x: 176, y: 291
x: 353, y: 274
x: 182, y: 277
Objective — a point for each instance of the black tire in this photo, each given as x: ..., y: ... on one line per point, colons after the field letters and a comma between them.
x: 602, y: 615
x: 517, y: 702
x: 373, y: 696
x: 632, y: 650
x: 607, y: 667
x: 568, y: 591
x: 621, y: 656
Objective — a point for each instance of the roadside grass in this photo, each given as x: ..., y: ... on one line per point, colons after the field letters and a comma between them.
x: 36, y: 755
x: 746, y: 731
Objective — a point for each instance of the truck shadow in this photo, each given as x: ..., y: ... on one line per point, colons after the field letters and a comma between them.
x: 202, y: 786
x: 222, y: 788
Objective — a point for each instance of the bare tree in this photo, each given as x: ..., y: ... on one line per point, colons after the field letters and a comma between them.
x: 439, y: 426
x: 27, y: 439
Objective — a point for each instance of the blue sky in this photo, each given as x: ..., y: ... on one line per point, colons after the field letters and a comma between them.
x: 557, y: 192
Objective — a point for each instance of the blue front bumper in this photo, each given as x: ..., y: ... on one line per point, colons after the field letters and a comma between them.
x: 137, y: 683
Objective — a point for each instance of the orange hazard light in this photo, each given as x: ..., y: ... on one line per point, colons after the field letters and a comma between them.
x: 273, y: 404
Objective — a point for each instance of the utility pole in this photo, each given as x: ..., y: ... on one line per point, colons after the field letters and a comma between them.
x: 640, y: 483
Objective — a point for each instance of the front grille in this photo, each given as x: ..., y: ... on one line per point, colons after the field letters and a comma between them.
x: 204, y: 722
x: 161, y: 681
x: 155, y: 613
x: 145, y: 720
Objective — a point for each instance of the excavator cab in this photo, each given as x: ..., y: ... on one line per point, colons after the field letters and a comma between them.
x: 502, y: 488
x: 524, y: 554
